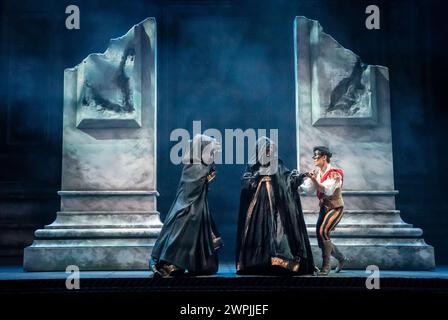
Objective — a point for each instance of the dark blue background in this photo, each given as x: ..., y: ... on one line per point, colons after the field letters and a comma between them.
x: 229, y: 64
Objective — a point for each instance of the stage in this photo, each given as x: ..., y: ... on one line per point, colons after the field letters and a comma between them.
x: 400, y: 291
x: 14, y: 280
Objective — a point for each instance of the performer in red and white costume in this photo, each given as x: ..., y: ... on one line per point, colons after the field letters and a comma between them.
x: 327, y: 182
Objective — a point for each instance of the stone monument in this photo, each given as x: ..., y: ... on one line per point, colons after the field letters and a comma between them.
x: 108, y: 218
x: 344, y: 104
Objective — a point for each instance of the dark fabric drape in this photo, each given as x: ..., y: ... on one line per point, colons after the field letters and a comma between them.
x: 187, y: 237
x: 271, y: 232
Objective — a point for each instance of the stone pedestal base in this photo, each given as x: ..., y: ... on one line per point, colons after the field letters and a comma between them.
x: 376, y: 237
x: 56, y: 255
x: 90, y: 235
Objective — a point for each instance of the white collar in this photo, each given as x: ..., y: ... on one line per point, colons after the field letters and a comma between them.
x: 328, y: 169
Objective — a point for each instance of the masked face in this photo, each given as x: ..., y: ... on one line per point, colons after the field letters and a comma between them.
x: 319, y: 159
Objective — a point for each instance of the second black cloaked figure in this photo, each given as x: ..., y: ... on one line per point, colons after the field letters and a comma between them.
x: 272, y: 236
x: 189, y: 239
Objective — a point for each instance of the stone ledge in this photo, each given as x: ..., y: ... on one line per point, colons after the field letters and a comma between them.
x: 149, y: 212
x: 104, y: 219
x: 386, y: 256
x: 393, y: 242
x: 108, y: 193
x: 87, y: 258
x: 103, y: 226
x: 360, y: 193
x: 151, y: 232
x: 359, y: 211
x: 367, y: 225
x: 58, y: 243
x: 372, y: 232
x: 108, y: 123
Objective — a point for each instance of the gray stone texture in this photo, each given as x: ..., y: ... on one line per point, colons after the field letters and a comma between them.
x: 358, y: 131
x: 108, y: 218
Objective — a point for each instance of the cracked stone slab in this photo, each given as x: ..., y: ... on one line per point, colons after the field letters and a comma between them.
x: 109, y: 84
x: 344, y: 104
x: 108, y: 218
x: 343, y: 90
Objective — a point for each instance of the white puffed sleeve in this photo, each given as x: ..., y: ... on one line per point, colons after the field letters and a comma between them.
x: 307, y: 186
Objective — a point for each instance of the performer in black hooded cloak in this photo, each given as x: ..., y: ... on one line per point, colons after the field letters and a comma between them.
x: 272, y: 236
x: 189, y: 238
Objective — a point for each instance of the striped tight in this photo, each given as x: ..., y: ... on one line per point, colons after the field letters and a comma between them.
x: 327, y: 221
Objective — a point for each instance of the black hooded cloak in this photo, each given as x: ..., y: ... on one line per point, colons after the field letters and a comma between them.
x: 272, y: 235
x: 189, y: 238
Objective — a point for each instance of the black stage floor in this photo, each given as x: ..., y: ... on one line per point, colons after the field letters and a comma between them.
x: 401, y: 291
x: 15, y: 279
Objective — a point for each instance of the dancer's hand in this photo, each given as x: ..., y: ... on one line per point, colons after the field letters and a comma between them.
x: 247, y: 175
x: 295, y: 172
x: 311, y: 175
x: 211, y: 176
